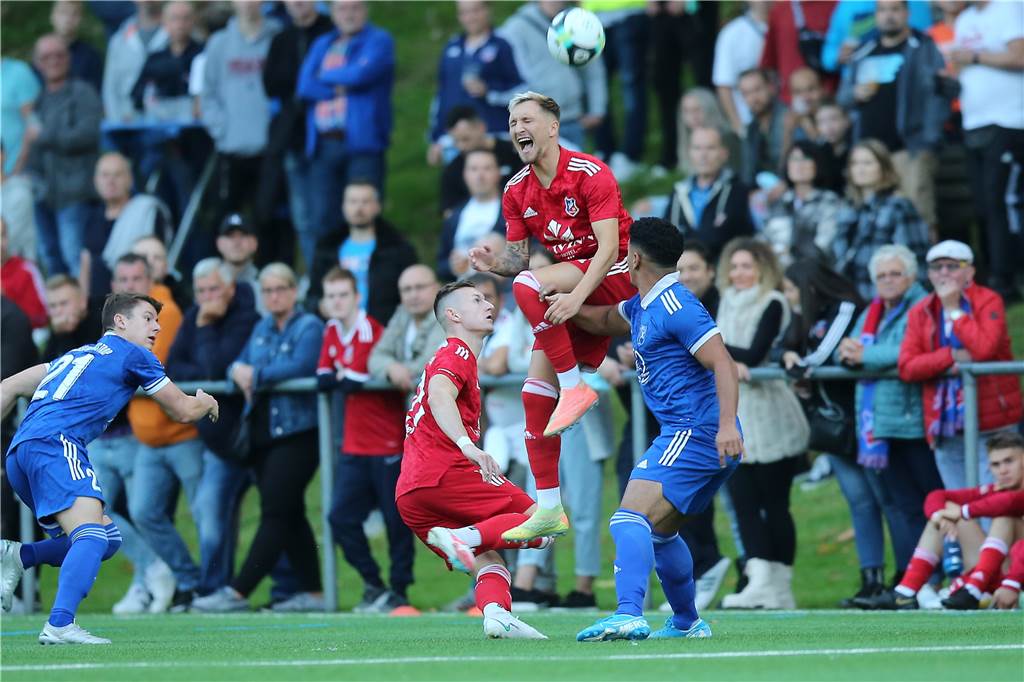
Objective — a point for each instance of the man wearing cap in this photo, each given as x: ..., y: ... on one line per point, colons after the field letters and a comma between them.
x: 961, y: 321
x: 237, y: 244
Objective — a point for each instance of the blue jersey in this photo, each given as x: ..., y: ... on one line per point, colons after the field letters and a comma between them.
x: 84, y: 389
x: 669, y: 325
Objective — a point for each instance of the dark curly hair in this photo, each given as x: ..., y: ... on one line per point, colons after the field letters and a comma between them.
x: 658, y: 239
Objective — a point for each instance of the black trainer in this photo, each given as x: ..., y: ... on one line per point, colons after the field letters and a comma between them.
x: 888, y: 600
x: 871, y: 585
x: 542, y: 600
x: 579, y: 600
x: 182, y: 601
x: 961, y: 600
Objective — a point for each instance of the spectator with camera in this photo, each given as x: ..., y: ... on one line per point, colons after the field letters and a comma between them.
x: 752, y: 316
x: 874, y: 215
x: 282, y: 435
x: 888, y: 413
x: 212, y: 334
x: 960, y: 322
x: 371, y: 447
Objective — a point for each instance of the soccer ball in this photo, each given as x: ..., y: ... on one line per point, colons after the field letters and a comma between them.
x: 575, y: 36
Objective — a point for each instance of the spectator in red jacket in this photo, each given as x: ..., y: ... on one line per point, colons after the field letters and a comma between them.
x: 961, y: 322
x: 796, y: 32
x: 953, y: 513
x: 21, y: 282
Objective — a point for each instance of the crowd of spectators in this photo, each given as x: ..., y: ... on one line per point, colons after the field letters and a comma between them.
x: 808, y: 142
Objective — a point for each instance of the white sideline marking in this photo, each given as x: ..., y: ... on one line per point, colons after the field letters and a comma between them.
x: 44, y: 667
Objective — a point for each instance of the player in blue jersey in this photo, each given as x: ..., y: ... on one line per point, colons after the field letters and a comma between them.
x: 689, y: 382
x: 73, y: 400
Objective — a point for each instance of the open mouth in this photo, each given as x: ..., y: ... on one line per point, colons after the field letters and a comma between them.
x: 525, y: 143
x: 152, y: 339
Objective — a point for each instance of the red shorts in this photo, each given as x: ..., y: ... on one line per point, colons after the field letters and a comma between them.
x: 590, y: 350
x: 460, y: 498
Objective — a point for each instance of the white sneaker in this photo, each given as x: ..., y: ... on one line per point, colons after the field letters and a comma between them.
x: 10, y: 571
x: 300, y: 602
x: 136, y: 600
x: 160, y: 582
x: 500, y: 624
x: 760, y: 592
x: 69, y: 634
x: 928, y: 598
x: 709, y: 583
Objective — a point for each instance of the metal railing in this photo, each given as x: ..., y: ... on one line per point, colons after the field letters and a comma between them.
x: 968, y: 371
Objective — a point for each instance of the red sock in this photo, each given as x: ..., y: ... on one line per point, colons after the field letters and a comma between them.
x: 552, y: 339
x: 491, y: 530
x: 539, y: 399
x: 995, y: 582
x: 494, y: 586
x: 993, y: 552
x: 919, y: 570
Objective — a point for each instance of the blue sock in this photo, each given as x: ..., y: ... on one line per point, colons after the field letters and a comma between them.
x: 674, y: 565
x: 634, y: 559
x: 78, y: 572
x: 50, y: 552
x: 113, y: 540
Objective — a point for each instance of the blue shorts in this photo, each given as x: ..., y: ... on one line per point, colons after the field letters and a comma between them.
x: 48, y: 474
x: 685, y: 463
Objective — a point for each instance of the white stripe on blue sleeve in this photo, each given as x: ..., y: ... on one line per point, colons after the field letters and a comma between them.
x: 708, y: 335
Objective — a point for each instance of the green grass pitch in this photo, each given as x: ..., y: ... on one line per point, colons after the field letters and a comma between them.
x: 798, y: 645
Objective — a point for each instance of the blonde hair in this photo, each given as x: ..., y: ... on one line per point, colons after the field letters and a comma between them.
x: 713, y: 118
x: 546, y: 103
x: 280, y: 271
x: 768, y: 268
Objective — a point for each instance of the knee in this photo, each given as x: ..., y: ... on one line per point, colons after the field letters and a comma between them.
x: 526, y: 284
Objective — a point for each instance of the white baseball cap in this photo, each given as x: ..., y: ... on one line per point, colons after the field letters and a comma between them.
x: 952, y: 249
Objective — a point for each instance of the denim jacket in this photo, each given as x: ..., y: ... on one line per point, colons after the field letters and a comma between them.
x: 277, y: 355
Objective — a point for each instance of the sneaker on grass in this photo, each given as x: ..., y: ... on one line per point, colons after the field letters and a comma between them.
x: 72, y: 633
x: 224, y: 600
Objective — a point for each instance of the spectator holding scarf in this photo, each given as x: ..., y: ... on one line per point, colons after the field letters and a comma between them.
x: 890, y: 427
x: 961, y: 322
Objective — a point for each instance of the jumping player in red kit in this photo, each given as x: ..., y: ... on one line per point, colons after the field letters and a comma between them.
x: 571, y: 203
x: 451, y: 493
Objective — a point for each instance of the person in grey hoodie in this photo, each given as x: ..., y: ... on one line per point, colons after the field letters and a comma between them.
x: 581, y: 92
x: 235, y: 107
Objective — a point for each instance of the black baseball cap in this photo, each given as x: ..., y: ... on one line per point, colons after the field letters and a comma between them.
x: 233, y: 222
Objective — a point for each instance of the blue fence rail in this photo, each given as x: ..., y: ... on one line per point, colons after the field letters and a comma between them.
x: 969, y: 372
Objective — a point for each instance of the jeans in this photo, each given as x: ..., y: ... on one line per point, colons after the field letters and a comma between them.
x: 113, y: 460
x: 908, y: 479
x: 581, y: 477
x: 332, y: 168
x: 868, y: 501
x: 361, y: 484
x: 156, y: 471
x: 301, y: 199
x: 61, y: 237
x: 217, y: 502
x: 626, y: 53
x: 950, y: 458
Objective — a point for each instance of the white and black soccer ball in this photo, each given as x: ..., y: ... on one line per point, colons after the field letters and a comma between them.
x: 575, y: 36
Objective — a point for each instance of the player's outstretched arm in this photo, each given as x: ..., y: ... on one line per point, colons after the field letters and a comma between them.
x: 509, y: 263
x: 442, y: 396
x: 22, y: 384
x: 714, y: 356
x: 185, y: 408
x: 601, y: 320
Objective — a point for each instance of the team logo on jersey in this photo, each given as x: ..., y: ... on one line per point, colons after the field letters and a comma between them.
x: 642, y: 464
x: 529, y: 212
x: 642, y: 336
x: 641, y: 368
x: 571, y: 208
x: 555, y: 229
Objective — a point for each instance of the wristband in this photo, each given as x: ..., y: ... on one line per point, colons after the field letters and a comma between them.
x: 965, y: 513
x: 463, y: 441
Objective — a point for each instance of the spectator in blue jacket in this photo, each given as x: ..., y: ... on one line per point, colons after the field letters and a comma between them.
x: 211, y: 336
x: 853, y: 21
x: 346, y: 79
x: 285, y: 344
x: 477, y: 68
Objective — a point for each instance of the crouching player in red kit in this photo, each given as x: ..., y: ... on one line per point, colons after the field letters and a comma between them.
x: 571, y: 203
x: 451, y: 493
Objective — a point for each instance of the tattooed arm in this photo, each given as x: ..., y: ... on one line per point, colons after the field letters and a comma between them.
x: 509, y: 263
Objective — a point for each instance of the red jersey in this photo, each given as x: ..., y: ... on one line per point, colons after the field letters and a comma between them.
x: 983, y: 501
x: 373, y: 420
x: 561, y: 216
x: 21, y: 282
x: 429, y: 453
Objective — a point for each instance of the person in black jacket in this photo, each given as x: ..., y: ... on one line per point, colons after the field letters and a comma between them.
x: 711, y: 205
x: 212, y: 334
x: 287, y: 135
x: 368, y: 246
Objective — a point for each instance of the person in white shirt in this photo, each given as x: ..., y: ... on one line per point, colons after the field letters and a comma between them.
x: 737, y: 49
x: 988, y: 50
x: 478, y: 220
